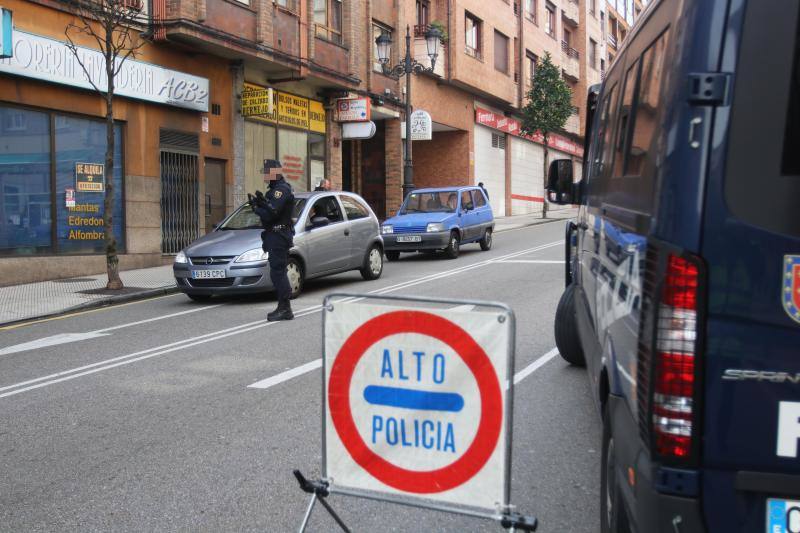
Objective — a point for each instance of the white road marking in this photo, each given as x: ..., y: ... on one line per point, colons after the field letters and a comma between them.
x: 292, y: 373
x: 221, y: 334
x: 531, y: 261
x: 65, y: 338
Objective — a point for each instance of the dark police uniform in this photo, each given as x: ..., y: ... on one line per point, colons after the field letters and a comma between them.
x: 275, y: 213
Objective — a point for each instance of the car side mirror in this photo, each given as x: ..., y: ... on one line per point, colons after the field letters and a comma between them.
x: 318, y: 222
x: 560, y: 188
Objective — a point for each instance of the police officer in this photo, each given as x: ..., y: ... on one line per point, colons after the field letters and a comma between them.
x: 275, y: 211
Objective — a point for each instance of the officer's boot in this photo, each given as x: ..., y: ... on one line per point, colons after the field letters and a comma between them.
x: 282, y: 312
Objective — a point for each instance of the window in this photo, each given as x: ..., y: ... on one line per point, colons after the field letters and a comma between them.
x: 606, y: 132
x: 378, y: 30
x: 602, y: 66
x: 466, y: 201
x: 593, y: 7
x: 531, y: 60
x: 500, y: 52
x: 530, y: 10
x: 593, y: 54
x: 328, y: 19
x: 478, y: 197
x: 647, y: 105
x: 290, y: 5
x: 423, y: 8
x: 625, y: 116
x: 353, y: 208
x: 568, y: 38
x: 603, y: 25
x: 550, y: 20
x: 326, y: 207
x: 472, y: 35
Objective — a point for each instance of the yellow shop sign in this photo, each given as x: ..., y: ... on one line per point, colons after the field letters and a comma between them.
x: 275, y: 107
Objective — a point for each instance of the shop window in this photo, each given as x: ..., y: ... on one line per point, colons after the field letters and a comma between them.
x: 259, y: 145
x: 472, y: 35
x: 25, y: 210
x: 328, y: 19
x: 293, y: 154
x: 500, y: 52
x: 79, y: 227
x: 316, y: 156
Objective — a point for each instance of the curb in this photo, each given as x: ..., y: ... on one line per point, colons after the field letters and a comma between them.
x: 96, y: 304
x: 529, y: 224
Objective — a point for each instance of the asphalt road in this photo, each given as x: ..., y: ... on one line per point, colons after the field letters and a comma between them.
x: 140, y: 417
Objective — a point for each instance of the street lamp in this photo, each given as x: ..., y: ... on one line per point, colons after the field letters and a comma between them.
x: 433, y: 37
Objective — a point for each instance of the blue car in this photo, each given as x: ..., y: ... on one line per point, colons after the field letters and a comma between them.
x: 439, y: 219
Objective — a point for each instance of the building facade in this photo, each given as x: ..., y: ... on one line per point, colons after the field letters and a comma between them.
x: 296, y: 80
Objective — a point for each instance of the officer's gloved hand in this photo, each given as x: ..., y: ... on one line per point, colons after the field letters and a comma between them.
x: 260, y: 200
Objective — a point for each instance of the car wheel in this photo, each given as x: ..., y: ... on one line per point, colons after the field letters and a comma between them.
x: 199, y: 297
x: 453, y: 246
x: 612, y: 514
x: 566, y: 329
x: 294, y: 271
x: 392, y: 256
x: 486, y: 241
x: 373, y: 263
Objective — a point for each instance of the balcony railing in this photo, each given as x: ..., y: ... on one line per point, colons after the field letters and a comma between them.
x: 612, y: 41
x: 420, y: 29
x: 571, y: 52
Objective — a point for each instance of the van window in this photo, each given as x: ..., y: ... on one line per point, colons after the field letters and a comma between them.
x: 626, y: 116
x: 762, y: 179
x: 477, y: 195
x: 644, y: 117
x: 608, y: 113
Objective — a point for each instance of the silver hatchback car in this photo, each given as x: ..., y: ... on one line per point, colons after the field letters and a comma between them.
x: 334, y: 232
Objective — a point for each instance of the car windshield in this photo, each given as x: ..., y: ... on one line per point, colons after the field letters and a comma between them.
x: 431, y: 202
x: 244, y: 218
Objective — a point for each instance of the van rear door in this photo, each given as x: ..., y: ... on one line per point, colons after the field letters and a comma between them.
x: 751, y: 243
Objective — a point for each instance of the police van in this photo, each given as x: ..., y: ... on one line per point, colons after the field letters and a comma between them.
x: 683, y: 269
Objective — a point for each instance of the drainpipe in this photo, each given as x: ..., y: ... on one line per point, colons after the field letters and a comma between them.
x: 521, y: 56
x: 449, y: 42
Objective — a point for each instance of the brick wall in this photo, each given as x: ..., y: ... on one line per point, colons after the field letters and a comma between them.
x: 333, y: 149
x: 442, y: 161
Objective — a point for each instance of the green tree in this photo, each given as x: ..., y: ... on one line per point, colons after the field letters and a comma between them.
x: 548, y: 108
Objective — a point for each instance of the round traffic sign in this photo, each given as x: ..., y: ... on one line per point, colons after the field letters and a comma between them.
x: 473, y: 356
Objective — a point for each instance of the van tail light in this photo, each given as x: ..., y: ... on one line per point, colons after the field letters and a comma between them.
x: 675, y: 368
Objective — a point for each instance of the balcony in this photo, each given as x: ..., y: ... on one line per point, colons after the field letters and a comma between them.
x: 570, y: 61
x: 570, y: 12
x: 612, y: 41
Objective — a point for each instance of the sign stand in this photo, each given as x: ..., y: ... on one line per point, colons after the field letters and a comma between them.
x: 438, y: 419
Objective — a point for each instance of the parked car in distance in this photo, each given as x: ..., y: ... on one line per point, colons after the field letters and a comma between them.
x: 334, y: 232
x: 439, y: 219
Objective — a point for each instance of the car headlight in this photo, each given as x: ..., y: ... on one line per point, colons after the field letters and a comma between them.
x: 181, y: 258
x: 435, y: 226
x: 387, y: 229
x: 251, y: 256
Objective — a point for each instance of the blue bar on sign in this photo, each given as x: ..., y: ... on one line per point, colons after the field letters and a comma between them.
x: 413, y: 399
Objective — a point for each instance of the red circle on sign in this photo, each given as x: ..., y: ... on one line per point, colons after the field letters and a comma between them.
x: 485, y: 441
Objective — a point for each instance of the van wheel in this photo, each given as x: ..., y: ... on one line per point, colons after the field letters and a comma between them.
x: 453, y: 247
x: 392, y: 256
x: 566, y: 329
x: 486, y: 241
x: 294, y: 271
x: 612, y: 513
x: 373, y: 263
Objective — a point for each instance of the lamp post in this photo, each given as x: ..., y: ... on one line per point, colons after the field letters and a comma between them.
x: 406, y: 67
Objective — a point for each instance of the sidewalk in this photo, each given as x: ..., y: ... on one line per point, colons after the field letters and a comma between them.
x: 50, y: 298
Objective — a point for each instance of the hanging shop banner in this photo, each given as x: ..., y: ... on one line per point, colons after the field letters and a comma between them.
x: 52, y: 61
x: 513, y: 127
x: 257, y: 101
x: 274, y: 107
x: 316, y: 116
x: 90, y: 177
x: 292, y: 111
x: 352, y: 110
x: 415, y: 399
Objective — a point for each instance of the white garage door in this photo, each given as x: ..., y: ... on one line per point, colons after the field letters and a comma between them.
x: 526, y: 177
x: 490, y: 166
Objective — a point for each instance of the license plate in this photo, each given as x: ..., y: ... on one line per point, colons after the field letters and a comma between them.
x: 783, y: 516
x: 409, y: 238
x: 208, y: 274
